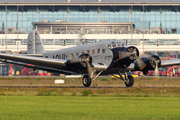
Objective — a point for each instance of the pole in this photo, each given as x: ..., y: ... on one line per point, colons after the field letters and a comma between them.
x: 131, y: 25
x: 6, y: 30
x: 17, y: 31
x: 6, y: 42
x: 143, y: 30
x: 37, y: 14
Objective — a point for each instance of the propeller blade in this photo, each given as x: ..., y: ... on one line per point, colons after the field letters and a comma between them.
x: 140, y: 63
x: 89, y: 67
x: 90, y: 70
x: 156, y: 69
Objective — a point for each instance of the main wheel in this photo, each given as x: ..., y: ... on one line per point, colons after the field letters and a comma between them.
x: 86, y: 81
x: 130, y: 81
x: 145, y: 72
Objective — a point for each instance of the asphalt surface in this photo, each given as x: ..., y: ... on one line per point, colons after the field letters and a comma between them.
x: 81, y: 87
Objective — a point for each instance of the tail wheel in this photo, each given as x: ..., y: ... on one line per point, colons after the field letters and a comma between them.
x: 130, y: 81
x: 86, y: 81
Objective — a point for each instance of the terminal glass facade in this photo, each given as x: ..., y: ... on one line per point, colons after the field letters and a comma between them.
x: 148, y: 19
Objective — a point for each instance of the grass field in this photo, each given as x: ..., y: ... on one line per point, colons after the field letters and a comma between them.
x: 46, y: 103
x: 89, y: 108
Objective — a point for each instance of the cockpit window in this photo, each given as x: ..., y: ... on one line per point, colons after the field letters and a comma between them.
x: 124, y: 45
x: 118, y: 44
x: 113, y: 44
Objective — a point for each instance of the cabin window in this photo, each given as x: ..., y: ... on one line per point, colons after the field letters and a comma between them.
x: 46, y: 56
x: 77, y: 54
x: 87, y: 51
x: 98, y: 50
x: 71, y: 56
x: 93, y: 51
x: 103, y: 50
x: 59, y: 56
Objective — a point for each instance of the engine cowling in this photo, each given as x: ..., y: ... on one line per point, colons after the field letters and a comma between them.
x: 147, y: 63
x: 81, y: 60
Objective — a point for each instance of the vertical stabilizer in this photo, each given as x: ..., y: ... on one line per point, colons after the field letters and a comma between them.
x: 34, y: 43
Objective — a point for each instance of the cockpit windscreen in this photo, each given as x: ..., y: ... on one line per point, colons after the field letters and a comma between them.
x: 113, y: 44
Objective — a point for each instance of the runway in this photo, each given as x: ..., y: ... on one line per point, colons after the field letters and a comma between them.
x: 82, y: 87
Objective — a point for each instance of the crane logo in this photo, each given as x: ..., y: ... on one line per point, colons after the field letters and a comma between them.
x: 30, y: 44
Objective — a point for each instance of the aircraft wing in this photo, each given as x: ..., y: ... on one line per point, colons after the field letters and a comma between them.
x: 40, y: 67
x: 172, y: 62
x: 39, y: 61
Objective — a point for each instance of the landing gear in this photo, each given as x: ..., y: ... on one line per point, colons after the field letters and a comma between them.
x: 145, y: 72
x: 130, y: 81
x: 86, y: 81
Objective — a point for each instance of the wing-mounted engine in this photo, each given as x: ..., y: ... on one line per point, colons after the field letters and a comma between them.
x: 80, y: 61
x: 83, y: 64
x: 147, y: 63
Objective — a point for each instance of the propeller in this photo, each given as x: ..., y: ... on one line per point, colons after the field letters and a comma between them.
x: 90, y: 69
x: 155, y: 63
x: 88, y: 60
x: 133, y: 53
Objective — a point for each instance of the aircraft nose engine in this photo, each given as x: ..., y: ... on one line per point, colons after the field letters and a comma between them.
x: 132, y: 52
x: 148, y: 63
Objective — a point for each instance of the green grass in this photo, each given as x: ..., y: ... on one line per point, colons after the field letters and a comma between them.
x: 87, y: 108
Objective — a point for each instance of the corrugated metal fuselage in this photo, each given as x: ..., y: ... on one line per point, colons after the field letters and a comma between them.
x: 99, y: 52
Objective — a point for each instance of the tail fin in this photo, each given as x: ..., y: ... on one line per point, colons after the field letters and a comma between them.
x: 34, y: 43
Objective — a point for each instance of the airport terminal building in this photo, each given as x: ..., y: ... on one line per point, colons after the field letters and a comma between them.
x: 147, y: 24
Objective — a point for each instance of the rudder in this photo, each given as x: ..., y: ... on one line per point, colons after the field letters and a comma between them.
x: 34, y: 43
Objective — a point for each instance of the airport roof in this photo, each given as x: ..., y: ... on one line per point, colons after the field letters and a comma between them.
x: 90, y: 2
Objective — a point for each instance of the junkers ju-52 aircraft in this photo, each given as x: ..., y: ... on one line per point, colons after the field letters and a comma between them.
x: 90, y: 60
